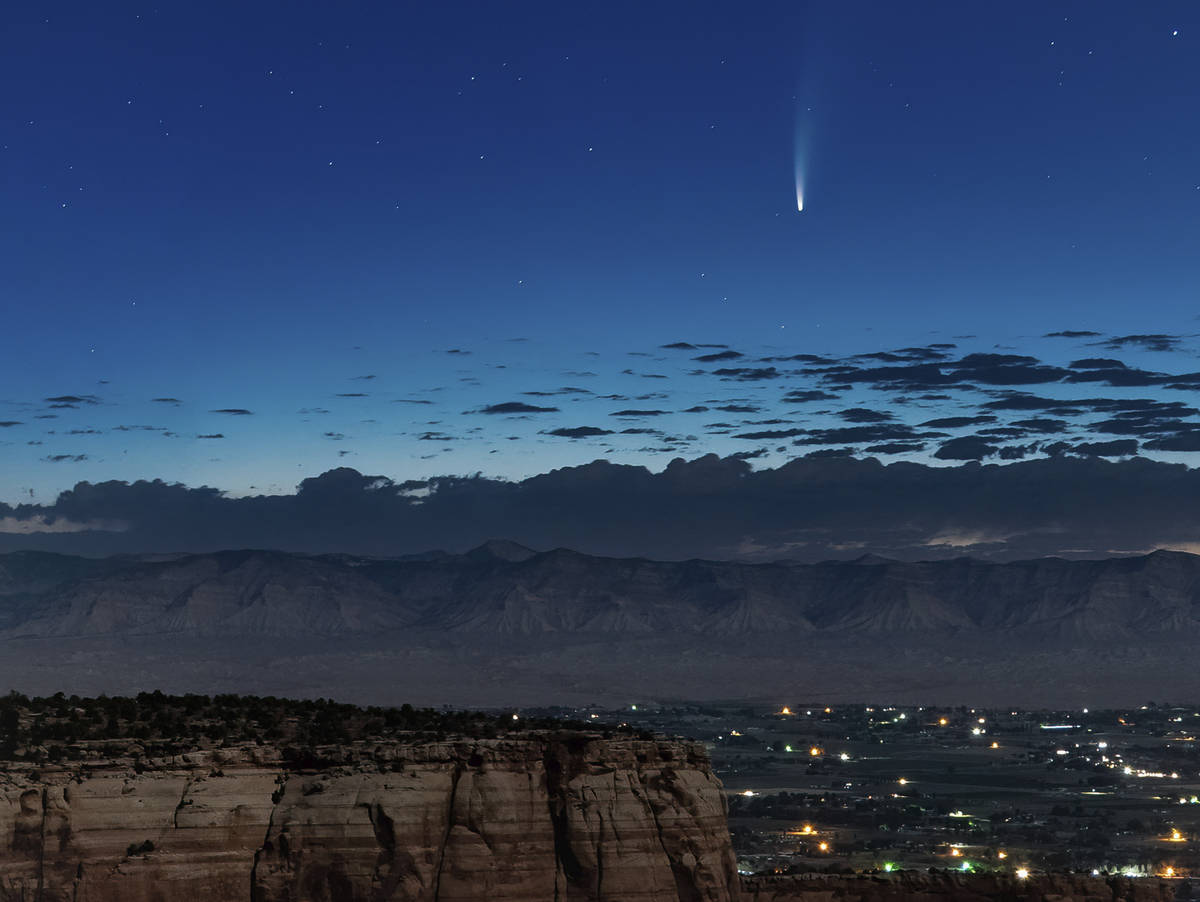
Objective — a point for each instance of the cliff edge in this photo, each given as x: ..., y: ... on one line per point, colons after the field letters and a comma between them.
x: 540, y: 817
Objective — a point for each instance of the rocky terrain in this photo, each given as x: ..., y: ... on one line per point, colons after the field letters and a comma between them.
x: 545, y: 816
x: 503, y: 624
x: 540, y: 817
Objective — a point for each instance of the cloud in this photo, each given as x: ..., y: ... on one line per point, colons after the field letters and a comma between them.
x: 876, y: 433
x: 410, y: 401
x: 958, y: 422
x: 174, y: 401
x: 1152, y: 342
x: 771, y: 434
x: 212, y: 435
x: 719, y: 356
x: 896, y: 448
x: 72, y: 399
x: 1072, y: 333
x: 65, y: 458
x: 864, y: 415
x: 1118, y: 448
x: 738, y: 408
x: 1017, y: 452
x: 968, y: 447
x: 709, y: 507
x: 8, y: 424
x: 565, y: 390
x: 579, y: 432
x: 638, y: 413
x: 804, y: 396
x: 509, y: 407
x: 1041, y: 424
x: 351, y: 394
x: 679, y: 346
x: 1183, y: 440
x: 747, y: 374
x: 39, y: 523
x: 234, y: 411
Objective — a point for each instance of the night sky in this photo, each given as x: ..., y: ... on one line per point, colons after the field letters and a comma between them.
x: 245, y: 244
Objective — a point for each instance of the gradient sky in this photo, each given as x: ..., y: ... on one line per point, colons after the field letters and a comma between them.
x: 255, y: 207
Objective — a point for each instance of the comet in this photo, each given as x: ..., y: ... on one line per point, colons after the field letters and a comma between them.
x: 798, y: 157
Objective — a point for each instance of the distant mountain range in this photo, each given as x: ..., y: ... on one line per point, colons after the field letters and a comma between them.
x: 507, y: 609
x: 505, y: 588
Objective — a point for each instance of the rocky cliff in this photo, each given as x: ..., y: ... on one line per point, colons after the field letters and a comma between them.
x: 913, y: 886
x: 541, y: 817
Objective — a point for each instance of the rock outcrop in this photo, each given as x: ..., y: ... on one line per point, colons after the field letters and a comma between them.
x: 541, y: 817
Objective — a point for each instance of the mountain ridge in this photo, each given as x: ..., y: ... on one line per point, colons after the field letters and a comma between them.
x: 505, y: 588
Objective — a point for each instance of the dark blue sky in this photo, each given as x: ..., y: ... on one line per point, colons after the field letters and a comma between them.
x: 250, y: 207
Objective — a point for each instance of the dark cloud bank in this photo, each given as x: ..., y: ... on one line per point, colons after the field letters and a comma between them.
x: 809, y: 509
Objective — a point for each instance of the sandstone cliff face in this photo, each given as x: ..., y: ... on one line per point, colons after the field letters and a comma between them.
x: 532, y: 818
x: 914, y: 886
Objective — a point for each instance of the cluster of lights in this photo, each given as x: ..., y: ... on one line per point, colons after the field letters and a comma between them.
x: 1021, y: 873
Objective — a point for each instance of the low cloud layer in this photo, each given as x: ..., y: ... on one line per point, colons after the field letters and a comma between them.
x: 812, y: 508
x: 512, y: 410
